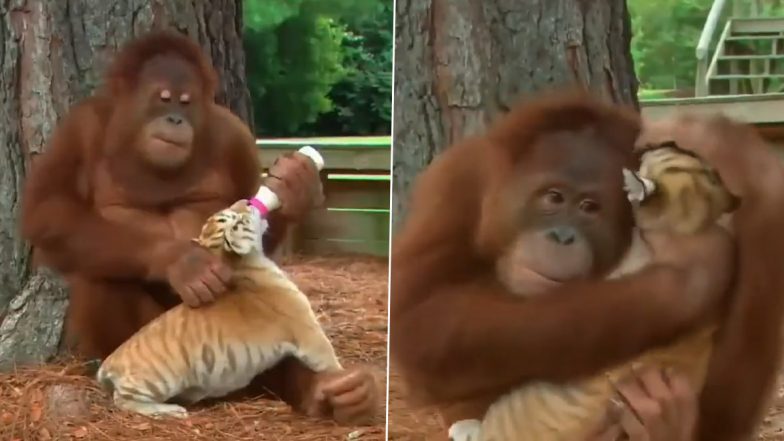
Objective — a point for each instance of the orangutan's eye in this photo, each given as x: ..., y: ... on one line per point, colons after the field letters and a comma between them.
x: 554, y: 197
x: 165, y: 95
x: 589, y: 206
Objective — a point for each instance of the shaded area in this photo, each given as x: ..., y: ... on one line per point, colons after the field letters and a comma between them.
x: 407, y: 424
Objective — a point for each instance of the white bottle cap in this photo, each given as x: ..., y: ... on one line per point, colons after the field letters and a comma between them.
x: 313, y: 154
x: 268, y: 198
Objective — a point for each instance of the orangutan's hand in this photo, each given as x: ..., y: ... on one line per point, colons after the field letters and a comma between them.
x: 295, y: 179
x: 747, y: 164
x: 658, y: 407
x: 349, y: 396
x: 198, y: 276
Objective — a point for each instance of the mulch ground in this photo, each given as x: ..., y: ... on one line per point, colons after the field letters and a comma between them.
x: 349, y: 295
x: 407, y: 424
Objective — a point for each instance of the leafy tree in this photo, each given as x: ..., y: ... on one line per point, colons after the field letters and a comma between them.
x: 291, y: 69
x: 363, y: 98
x: 294, y: 59
x: 664, y: 37
x: 296, y: 54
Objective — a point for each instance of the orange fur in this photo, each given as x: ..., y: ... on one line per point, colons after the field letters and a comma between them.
x: 747, y: 353
x: 114, y: 226
x: 189, y: 354
x: 687, y: 197
x: 453, y: 320
x: 122, y: 75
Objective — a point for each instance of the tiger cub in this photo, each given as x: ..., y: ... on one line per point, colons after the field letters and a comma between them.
x: 676, y: 191
x: 188, y: 354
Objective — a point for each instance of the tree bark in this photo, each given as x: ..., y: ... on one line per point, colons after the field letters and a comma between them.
x: 459, y: 63
x: 52, y: 54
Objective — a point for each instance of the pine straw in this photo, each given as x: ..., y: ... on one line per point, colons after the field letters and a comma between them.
x: 408, y: 424
x: 772, y: 428
x: 348, y: 293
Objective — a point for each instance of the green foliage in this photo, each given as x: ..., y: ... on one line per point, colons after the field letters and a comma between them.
x: 309, y: 60
x: 665, y: 34
x: 294, y: 58
x: 363, y: 98
x: 664, y: 39
x: 265, y: 14
x: 260, y: 14
x: 291, y: 69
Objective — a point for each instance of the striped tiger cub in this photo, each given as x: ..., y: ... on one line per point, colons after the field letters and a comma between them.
x: 676, y: 191
x: 187, y: 354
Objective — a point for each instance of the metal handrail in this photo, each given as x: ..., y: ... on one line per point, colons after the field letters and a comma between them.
x: 710, y: 27
x: 701, y: 77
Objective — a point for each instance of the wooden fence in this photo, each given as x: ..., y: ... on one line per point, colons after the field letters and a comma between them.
x: 356, y: 177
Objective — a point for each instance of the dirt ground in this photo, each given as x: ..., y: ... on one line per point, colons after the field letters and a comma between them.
x: 348, y: 293
x: 406, y: 424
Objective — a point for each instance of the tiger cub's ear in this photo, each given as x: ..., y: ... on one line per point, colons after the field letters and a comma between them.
x: 637, y: 188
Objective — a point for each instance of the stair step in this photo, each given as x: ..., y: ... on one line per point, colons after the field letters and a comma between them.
x: 753, y: 19
x: 756, y: 24
x: 751, y: 57
x: 754, y: 37
x: 745, y: 76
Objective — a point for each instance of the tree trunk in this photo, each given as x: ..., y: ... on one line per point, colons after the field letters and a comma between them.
x: 53, y: 53
x: 459, y: 63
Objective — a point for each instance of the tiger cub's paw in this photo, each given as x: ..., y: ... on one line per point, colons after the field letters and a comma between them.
x: 171, y: 410
x: 153, y: 410
x: 465, y: 430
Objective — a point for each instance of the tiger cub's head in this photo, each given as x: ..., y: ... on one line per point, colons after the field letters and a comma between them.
x: 236, y: 230
x: 676, y: 190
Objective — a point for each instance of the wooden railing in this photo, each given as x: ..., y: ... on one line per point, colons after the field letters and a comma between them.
x: 703, y: 46
x: 746, y: 56
x: 355, y: 218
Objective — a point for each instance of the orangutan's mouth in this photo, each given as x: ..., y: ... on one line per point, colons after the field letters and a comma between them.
x: 169, y: 141
x: 551, y: 279
x: 542, y: 278
x: 542, y: 275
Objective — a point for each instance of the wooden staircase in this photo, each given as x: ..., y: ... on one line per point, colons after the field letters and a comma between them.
x: 748, y: 58
x: 742, y: 74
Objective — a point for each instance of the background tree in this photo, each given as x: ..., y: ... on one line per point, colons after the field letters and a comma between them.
x: 320, y: 68
x: 665, y: 35
x: 52, y: 53
x: 460, y: 63
x: 362, y: 99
